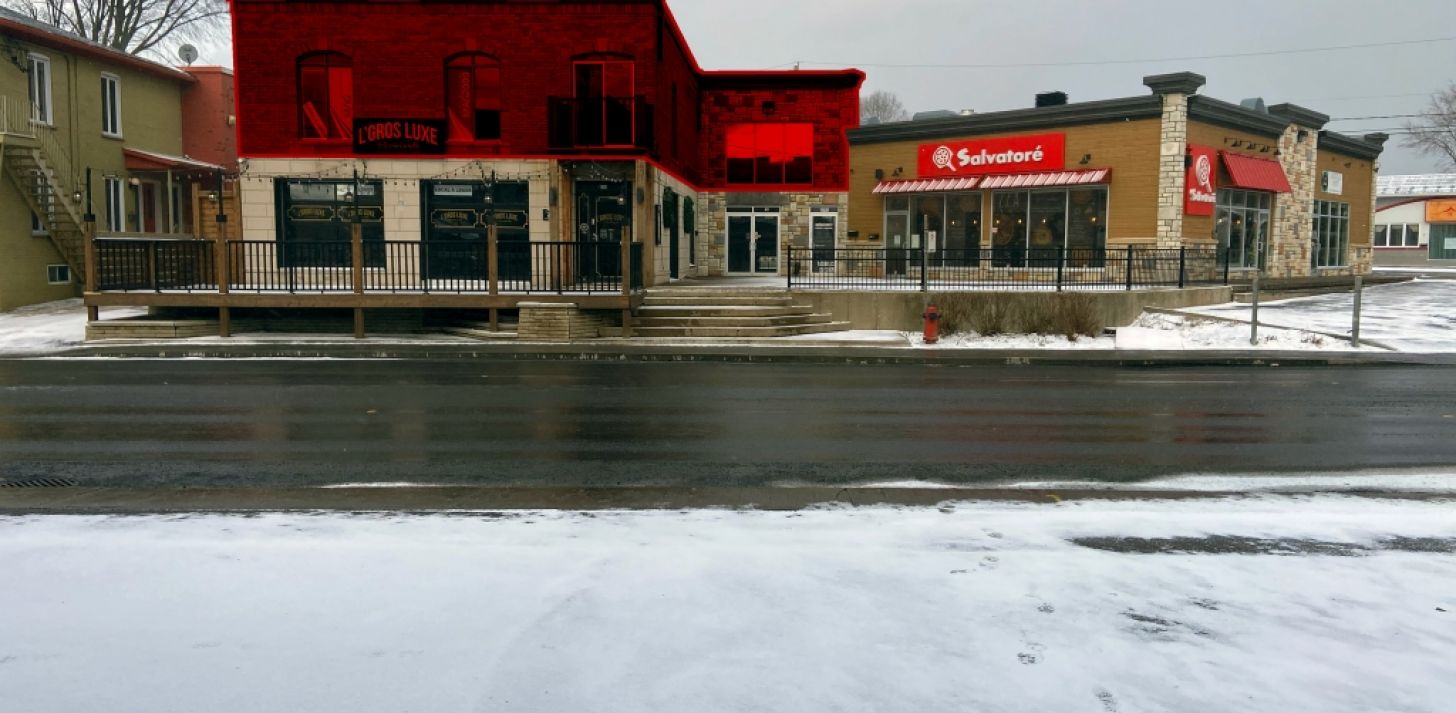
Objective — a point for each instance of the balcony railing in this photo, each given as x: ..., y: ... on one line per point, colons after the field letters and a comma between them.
x: 1072, y: 269
x: 387, y: 267
x: 600, y: 123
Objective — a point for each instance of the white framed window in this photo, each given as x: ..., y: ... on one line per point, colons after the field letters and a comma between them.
x: 1331, y: 234
x: 111, y: 105
x: 115, y: 204
x: 58, y: 274
x: 39, y: 69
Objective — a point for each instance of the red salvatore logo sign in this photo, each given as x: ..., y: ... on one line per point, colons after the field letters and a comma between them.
x: 399, y: 136
x: 1040, y: 152
x: 1202, y: 181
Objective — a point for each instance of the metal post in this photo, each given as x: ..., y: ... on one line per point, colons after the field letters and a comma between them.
x: 1182, y: 267
x: 790, y: 271
x: 924, y: 266
x: 1254, y: 320
x: 1359, y: 297
x: 356, y: 240
x: 88, y: 234
x: 1129, y: 268
x: 1228, y: 261
x: 224, y: 270
x: 1061, y: 265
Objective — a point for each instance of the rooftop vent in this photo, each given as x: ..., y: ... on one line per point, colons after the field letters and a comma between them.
x: 1256, y: 103
x: 937, y: 114
x: 1051, y: 99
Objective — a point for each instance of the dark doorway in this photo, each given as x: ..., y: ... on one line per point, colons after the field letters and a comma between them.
x: 603, y: 217
x: 671, y: 224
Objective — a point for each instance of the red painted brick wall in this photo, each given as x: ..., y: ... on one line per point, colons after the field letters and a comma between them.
x: 832, y: 111
x: 207, y: 135
x: 399, y: 49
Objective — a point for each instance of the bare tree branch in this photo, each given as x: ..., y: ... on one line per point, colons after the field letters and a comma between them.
x: 134, y: 26
x: 882, y: 105
x: 1436, y: 133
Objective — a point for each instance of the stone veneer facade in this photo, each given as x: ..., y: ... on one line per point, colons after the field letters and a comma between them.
x: 1292, y: 225
x: 1172, y: 171
x: 796, y: 211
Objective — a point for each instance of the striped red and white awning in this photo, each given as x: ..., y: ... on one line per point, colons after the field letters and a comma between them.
x: 928, y: 185
x: 1047, y: 180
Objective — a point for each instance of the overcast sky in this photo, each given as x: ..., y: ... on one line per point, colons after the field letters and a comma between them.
x: 758, y: 34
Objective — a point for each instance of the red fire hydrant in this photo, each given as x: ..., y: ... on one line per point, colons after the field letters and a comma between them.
x: 932, y: 324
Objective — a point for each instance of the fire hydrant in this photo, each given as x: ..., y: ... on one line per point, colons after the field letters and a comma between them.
x: 932, y: 324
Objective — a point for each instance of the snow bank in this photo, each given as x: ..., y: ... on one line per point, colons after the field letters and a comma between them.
x: 970, y: 607
x: 1165, y: 332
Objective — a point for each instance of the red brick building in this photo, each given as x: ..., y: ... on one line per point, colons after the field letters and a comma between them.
x: 568, y: 123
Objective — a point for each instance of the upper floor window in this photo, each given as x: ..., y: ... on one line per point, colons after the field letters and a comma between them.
x: 325, y: 96
x: 472, y: 97
x: 771, y: 154
x: 40, y: 89
x: 110, y: 105
x: 606, y: 103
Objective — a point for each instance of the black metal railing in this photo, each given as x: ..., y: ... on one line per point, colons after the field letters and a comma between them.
x: 1117, y: 268
x: 401, y: 267
x: 614, y: 123
x: 155, y: 265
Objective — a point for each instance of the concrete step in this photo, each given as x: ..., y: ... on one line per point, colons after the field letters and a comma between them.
x: 740, y: 332
x: 717, y: 300
x: 784, y: 321
x: 483, y: 334
x: 722, y: 311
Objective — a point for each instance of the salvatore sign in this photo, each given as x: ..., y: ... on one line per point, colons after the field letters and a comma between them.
x: 1202, y: 183
x: 399, y: 136
x: 1037, y: 152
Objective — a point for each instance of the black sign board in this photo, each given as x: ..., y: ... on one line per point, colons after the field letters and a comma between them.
x: 399, y: 136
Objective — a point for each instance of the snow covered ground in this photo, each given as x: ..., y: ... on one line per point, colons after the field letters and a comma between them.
x: 1273, y: 604
x: 48, y: 327
x: 1418, y: 316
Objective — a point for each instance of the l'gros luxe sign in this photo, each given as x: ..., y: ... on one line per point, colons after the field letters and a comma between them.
x: 399, y: 136
x: 1037, y: 152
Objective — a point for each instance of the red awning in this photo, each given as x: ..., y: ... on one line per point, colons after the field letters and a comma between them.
x: 138, y: 160
x: 1257, y: 174
x: 928, y: 185
x: 1046, y: 180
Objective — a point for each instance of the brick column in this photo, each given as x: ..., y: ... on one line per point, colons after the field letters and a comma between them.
x: 1173, y: 90
x: 1291, y: 235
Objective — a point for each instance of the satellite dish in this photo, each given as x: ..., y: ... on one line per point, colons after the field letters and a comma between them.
x: 188, y: 53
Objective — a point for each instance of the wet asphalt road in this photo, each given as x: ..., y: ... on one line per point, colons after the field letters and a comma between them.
x: 276, y: 423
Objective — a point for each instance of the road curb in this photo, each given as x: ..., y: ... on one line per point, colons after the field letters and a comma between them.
x: 142, y: 501
x: 739, y: 353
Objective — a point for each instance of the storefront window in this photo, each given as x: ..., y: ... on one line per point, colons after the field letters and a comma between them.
x: 472, y: 97
x: 1008, y: 228
x: 1331, y: 233
x: 1043, y: 228
x: 325, y: 96
x: 771, y: 154
x: 316, y: 224
x: 1242, y: 227
x: 962, y: 229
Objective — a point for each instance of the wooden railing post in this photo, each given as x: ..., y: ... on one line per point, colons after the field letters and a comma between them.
x: 492, y: 268
x: 627, y: 282
x: 221, y: 264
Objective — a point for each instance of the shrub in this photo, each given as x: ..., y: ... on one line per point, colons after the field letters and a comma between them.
x: 962, y: 313
x: 1077, y: 316
x: 1038, y: 315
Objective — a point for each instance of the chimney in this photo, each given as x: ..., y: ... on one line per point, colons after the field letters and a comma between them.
x: 1046, y: 99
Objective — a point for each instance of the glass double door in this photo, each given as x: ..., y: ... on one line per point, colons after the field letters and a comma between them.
x: 753, y: 243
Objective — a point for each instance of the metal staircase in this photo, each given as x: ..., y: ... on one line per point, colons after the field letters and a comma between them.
x: 42, y: 172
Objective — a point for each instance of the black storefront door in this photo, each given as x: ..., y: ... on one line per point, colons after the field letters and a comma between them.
x: 603, y: 217
x: 457, y: 220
